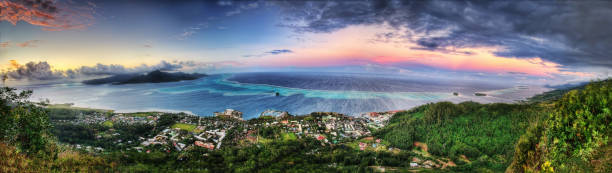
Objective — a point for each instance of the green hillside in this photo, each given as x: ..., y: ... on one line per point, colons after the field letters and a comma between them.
x: 485, y: 134
x: 574, y: 137
x: 567, y: 130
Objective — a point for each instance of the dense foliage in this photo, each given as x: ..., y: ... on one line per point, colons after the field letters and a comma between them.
x: 23, y: 123
x: 441, y: 112
x: 580, y: 123
x: 573, y: 137
x: 482, y: 132
x: 278, y: 155
x: 26, y: 144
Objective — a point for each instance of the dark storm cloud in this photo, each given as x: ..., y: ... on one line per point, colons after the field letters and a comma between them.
x: 573, y: 33
x: 36, y: 71
x: 46, y: 6
x: 112, y: 69
x: 43, y: 71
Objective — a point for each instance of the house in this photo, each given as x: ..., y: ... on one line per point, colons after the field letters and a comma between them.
x: 199, y: 137
x: 276, y: 114
x: 160, y: 138
x: 320, y: 137
x: 208, y: 145
x: 230, y: 113
x: 374, y: 114
x: 362, y: 146
x: 178, y: 146
x: 414, y: 165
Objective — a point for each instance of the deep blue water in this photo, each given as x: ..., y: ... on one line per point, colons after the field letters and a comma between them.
x: 300, y: 93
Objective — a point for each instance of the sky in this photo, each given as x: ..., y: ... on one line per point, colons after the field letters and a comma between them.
x: 544, y: 42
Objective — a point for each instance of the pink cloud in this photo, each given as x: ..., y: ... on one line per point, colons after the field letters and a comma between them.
x: 5, y: 44
x: 348, y: 47
x: 50, y: 15
x: 29, y: 43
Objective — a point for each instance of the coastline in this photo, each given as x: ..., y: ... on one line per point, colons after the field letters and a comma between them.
x: 205, y: 96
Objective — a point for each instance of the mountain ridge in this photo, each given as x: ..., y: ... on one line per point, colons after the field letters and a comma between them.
x: 156, y: 76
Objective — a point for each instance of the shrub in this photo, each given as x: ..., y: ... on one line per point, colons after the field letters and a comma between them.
x: 460, y: 148
x: 469, y: 106
x: 401, y: 137
x: 22, y: 123
x: 580, y: 123
x: 528, y: 150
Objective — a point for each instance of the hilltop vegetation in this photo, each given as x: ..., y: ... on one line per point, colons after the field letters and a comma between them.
x: 26, y: 142
x: 567, y: 130
x: 574, y: 137
x: 482, y: 133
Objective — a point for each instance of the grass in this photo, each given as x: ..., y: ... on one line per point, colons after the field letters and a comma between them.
x: 288, y: 136
x: 187, y: 127
x: 67, y: 112
x: 108, y: 124
x: 263, y: 140
x: 139, y: 114
x: 355, y: 145
x: 69, y: 106
x: 602, y: 161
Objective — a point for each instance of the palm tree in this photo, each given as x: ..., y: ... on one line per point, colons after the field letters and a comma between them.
x: 4, y: 78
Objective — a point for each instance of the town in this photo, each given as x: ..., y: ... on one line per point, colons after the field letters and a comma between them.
x: 185, y: 130
x: 103, y: 131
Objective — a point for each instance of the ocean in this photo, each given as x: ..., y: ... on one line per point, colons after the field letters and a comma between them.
x: 298, y: 93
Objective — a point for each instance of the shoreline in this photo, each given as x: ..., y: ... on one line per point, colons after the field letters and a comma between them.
x: 175, y: 98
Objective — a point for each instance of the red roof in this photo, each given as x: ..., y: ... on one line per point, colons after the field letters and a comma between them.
x: 205, y: 145
x: 320, y: 137
x: 373, y: 114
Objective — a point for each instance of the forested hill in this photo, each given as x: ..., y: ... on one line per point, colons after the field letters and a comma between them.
x: 474, y: 136
x: 573, y: 137
x: 156, y: 76
x: 567, y: 130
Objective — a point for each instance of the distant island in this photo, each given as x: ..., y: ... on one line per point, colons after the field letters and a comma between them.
x: 480, y: 94
x: 156, y: 76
